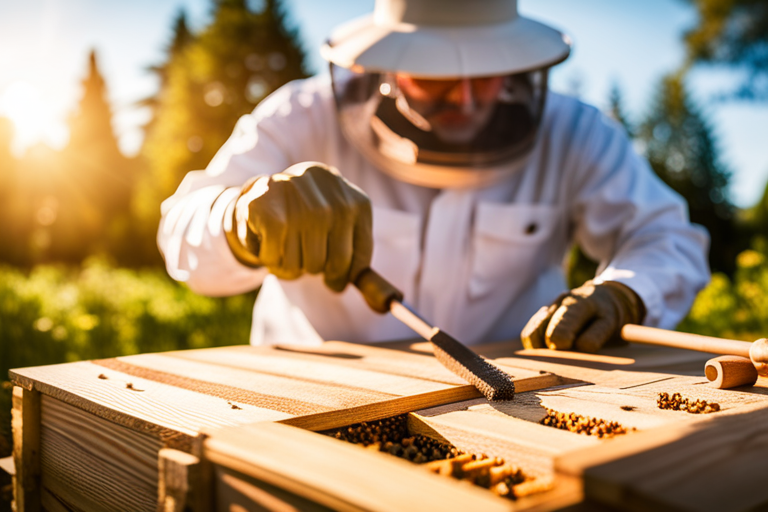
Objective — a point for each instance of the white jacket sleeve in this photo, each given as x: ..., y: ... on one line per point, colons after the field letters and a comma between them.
x: 636, y: 226
x: 191, y: 239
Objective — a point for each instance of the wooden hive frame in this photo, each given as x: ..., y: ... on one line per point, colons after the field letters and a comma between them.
x: 127, y: 448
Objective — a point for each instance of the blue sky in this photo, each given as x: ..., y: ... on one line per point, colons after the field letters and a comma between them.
x: 44, y: 46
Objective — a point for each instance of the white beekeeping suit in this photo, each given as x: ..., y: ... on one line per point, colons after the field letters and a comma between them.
x: 475, y: 256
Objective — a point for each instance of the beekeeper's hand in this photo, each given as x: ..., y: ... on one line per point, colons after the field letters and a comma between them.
x: 307, y: 218
x: 584, y: 319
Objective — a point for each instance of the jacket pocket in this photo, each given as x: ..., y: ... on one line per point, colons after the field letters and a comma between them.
x: 511, y: 245
x: 396, y: 247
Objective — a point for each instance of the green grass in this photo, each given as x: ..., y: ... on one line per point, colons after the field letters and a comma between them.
x: 57, y: 314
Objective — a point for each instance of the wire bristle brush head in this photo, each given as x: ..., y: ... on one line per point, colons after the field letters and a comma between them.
x: 491, y: 381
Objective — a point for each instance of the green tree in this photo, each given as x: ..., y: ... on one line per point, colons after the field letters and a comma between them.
x: 94, y: 185
x: 682, y: 149
x: 182, y: 36
x: 733, y: 33
x: 209, y: 82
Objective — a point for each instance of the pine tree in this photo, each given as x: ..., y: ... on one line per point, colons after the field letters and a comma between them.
x: 179, y: 42
x: 96, y: 180
x: 734, y: 34
x: 682, y: 149
x: 218, y: 76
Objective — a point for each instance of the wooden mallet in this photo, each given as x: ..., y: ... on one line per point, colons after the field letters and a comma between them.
x: 739, y: 364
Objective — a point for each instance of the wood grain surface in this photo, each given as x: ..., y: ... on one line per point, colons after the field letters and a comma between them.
x: 95, y: 464
x: 716, y: 463
x: 26, y: 424
x: 146, y: 406
x: 104, y: 422
x: 339, y: 475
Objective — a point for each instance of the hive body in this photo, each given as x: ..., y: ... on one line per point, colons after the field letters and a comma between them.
x: 211, y: 429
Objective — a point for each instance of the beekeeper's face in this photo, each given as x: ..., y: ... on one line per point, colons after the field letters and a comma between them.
x: 456, y: 110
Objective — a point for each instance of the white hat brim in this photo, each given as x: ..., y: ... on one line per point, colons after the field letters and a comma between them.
x: 447, y: 51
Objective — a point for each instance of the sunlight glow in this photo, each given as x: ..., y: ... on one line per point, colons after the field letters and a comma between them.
x: 33, y: 119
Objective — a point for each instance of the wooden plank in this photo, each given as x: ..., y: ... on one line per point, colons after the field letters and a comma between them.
x: 280, y: 390
x: 90, y: 463
x: 522, y: 443
x: 594, y: 367
x: 315, y: 371
x: 339, y: 475
x: 343, y: 364
x: 402, y: 405
x: 526, y: 406
x: 146, y: 406
x: 374, y: 357
x: 26, y: 449
x: 629, y: 357
x: 716, y: 463
x: 182, y: 486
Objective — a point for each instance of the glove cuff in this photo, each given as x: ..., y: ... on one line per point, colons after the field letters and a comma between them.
x: 231, y: 231
x: 630, y: 304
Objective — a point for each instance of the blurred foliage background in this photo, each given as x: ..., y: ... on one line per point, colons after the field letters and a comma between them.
x: 80, y: 274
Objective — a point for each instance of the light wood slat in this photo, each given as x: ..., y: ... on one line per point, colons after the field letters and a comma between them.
x: 689, y: 387
x: 595, y: 368
x: 716, y: 463
x: 526, y: 406
x: 338, y: 475
x: 629, y: 357
x: 368, y: 357
x: 638, y: 414
x: 402, y: 405
x: 325, y: 395
x: 150, y: 406
x: 92, y: 464
x: 525, y: 444
x: 586, y: 400
x: 313, y: 371
x: 26, y: 449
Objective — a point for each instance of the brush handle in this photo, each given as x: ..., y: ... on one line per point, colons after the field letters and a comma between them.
x: 377, y: 291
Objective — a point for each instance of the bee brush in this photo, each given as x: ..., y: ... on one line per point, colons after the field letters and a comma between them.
x: 382, y: 297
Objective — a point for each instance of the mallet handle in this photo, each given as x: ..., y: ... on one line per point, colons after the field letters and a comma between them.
x: 653, y: 336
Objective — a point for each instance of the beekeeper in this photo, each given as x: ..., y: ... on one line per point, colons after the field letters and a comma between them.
x: 435, y: 153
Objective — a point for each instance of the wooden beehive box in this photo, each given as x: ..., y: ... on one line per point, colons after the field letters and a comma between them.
x: 223, y: 428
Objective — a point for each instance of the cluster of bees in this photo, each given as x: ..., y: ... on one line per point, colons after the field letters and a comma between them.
x: 582, y: 424
x: 391, y: 435
x: 676, y: 402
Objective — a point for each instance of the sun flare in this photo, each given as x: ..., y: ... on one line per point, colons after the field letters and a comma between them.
x: 33, y: 119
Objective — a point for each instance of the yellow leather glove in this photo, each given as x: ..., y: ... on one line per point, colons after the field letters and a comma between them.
x: 307, y: 218
x: 584, y: 319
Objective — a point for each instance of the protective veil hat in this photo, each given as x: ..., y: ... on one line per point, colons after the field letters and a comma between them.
x: 446, y: 39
